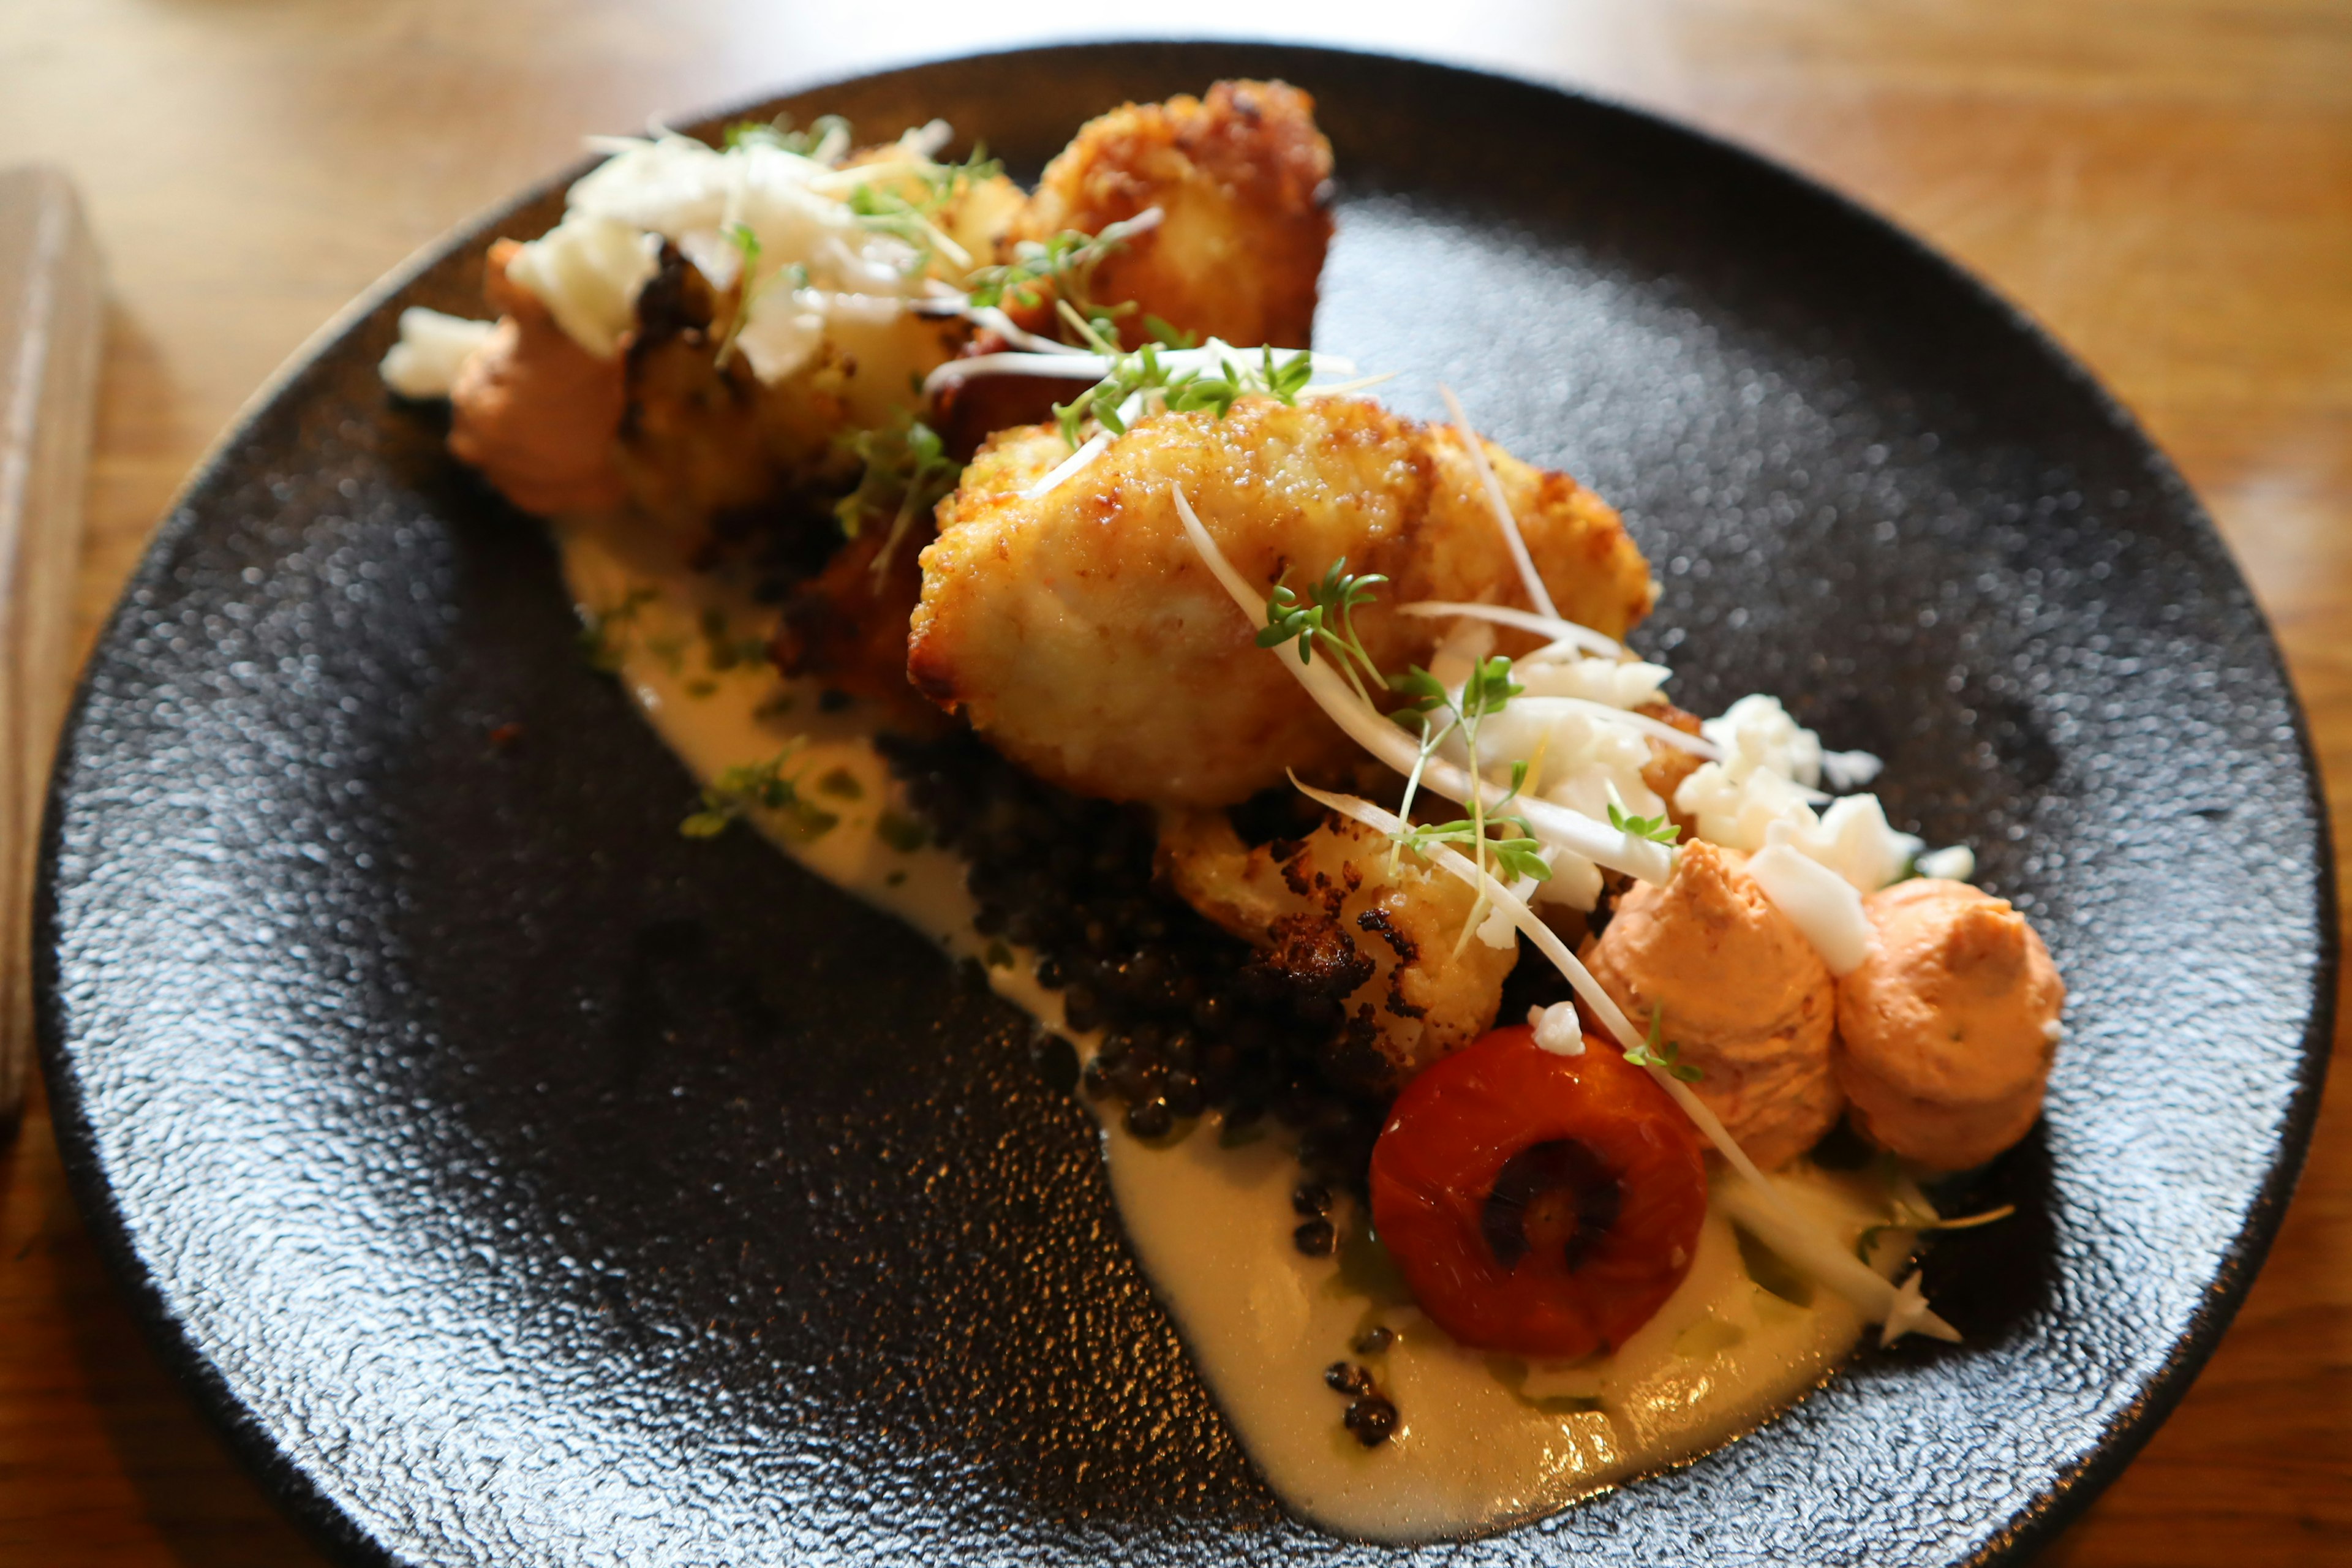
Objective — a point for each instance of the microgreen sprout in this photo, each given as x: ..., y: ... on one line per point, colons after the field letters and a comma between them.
x: 1325, y: 615
x: 1144, y: 377
x: 907, y: 471
x: 1649, y: 1053
x: 1065, y: 263
x: 758, y: 787
x: 1907, y: 1217
x: 825, y: 139
x: 1438, y: 713
x: 749, y: 285
x: 1656, y: 829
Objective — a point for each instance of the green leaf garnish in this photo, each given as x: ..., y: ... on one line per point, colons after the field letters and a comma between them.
x: 1656, y: 829
x: 1651, y: 1054
x: 759, y: 786
x: 906, y: 470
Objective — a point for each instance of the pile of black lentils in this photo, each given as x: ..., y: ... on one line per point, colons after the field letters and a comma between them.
x: 1192, y: 1021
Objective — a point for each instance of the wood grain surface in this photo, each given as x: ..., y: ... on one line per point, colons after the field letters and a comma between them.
x: 2167, y: 184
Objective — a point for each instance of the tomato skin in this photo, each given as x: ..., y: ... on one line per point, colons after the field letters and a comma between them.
x: 1503, y: 1109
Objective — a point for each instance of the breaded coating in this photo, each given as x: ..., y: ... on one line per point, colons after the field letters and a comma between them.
x: 1738, y: 988
x: 1082, y: 634
x: 1328, y: 911
x: 534, y: 410
x: 1948, y: 1029
x: 705, y: 442
x: 1239, y: 177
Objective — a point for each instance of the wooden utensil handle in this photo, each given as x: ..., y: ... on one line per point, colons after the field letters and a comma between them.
x: 51, y: 325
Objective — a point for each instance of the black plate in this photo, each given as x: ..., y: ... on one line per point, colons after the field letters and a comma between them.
x: 524, y: 1183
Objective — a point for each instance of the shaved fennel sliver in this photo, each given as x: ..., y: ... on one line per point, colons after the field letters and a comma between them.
x: 1538, y: 595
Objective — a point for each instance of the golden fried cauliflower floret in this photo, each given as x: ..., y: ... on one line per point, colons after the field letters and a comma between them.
x: 1328, y: 911
x: 1948, y: 1029
x: 1083, y: 635
x: 1239, y: 178
x: 1741, y: 991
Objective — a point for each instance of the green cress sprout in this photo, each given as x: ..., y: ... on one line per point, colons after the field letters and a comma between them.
x: 748, y: 289
x: 1325, y: 615
x: 599, y: 641
x: 1143, y: 372
x: 825, y: 139
x: 1651, y: 1054
x: 758, y: 787
x: 906, y: 470
x: 1066, y: 263
x: 1656, y: 829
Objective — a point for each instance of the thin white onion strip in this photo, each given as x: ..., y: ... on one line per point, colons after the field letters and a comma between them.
x: 1560, y: 632
x: 1657, y: 729
x: 1538, y: 595
x: 1208, y: 357
x: 1802, y: 1241
x: 1555, y: 825
x: 943, y: 302
x: 1088, y: 450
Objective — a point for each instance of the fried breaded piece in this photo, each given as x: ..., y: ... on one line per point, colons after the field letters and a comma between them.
x: 705, y: 440
x: 1083, y: 635
x: 1239, y: 177
x: 534, y: 410
x: 1328, y: 911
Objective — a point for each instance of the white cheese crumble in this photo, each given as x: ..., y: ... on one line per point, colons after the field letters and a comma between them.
x: 1558, y: 1029
x: 432, y: 348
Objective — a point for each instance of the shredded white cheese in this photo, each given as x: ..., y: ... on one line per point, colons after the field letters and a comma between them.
x: 1558, y: 1029
x: 1822, y: 904
x: 431, y: 348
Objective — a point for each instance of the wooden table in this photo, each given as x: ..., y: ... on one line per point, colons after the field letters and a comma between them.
x: 2166, y: 183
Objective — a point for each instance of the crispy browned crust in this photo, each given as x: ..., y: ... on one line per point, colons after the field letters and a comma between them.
x: 1328, y: 913
x: 1240, y: 177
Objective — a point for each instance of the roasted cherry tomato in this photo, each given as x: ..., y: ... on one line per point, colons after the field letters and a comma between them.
x: 1538, y: 1204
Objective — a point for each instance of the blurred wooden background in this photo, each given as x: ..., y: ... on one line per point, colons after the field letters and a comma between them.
x: 2167, y: 184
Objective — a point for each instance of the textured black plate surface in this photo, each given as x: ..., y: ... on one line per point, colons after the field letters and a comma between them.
x: 525, y: 1185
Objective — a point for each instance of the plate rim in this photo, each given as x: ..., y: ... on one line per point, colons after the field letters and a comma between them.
x: 313, y: 1508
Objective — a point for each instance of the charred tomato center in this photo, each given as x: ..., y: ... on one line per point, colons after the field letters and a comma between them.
x: 1558, y: 1194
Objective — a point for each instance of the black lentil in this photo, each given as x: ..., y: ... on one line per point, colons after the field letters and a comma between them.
x: 1310, y: 1199
x: 1192, y: 1022
x: 1374, y: 1339
x: 1345, y: 1377
x: 1372, y: 1418
x: 1315, y: 1238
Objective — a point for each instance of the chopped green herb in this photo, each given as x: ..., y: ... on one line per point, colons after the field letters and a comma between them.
x: 774, y: 707
x: 759, y: 786
x: 825, y: 139
x: 998, y: 956
x: 901, y: 831
x: 701, y: 686
x: 599, y: 644
x: 842, y: 783
x: 894, y: 880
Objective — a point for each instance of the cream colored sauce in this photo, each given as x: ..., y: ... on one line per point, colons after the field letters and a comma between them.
x: 1482, y: 1441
